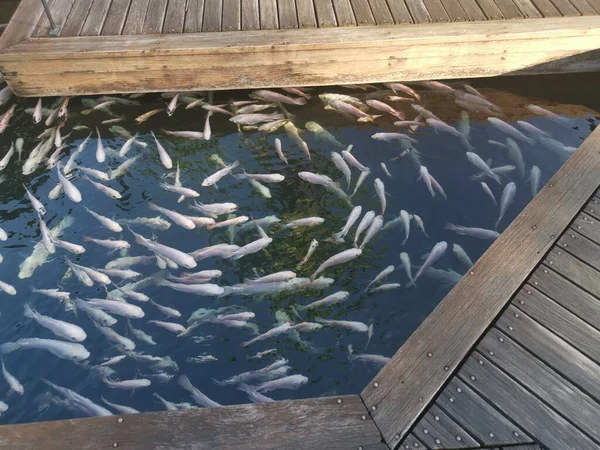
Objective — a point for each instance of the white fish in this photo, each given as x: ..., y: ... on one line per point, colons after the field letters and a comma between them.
x: 508, y: 196
x: 464, y: 124
x: 363, y: 225
x: 69, y: 188
x: 343, y: 167
x: 126, y: 384
x: 128, y: 261
x: 119, y: 308
x: 279, y: 151
x: 316, y: 178
x: 480, y: 233
x: 281, y: 329
x: 339, y: 258
x: 332, y: 299
x: 7, y: 288
x: 169, y: 326
x: 47, y: 238
x: 253, y: 394
x: 165, y: 159
x: 108, y: 191
x: 198, y: 396
x: 114, y: 360
x: 97, y: 315
x: 375, y: 359
x: 488, y: 191
x: 350, y: 325
x: 405, y: 219
x: 170, y: 312
x: 386, y: 287
x: 436, y: 253
x: 405, y: 259
x: 426, y: 179
x: 192, y: 135
x: 374, y: 228
x: 37, y: 112
x: 93, y: 274
x: 305, y: 222
x: 98, y: 174
x: 108, y: 243
x: 385, y: 170
x: 352, y: 218
x: 207, y: 131
x: 170, y: 406
x: 4, y: 162
x: 476, y: 160
x: 123, y: 168
x: 264, y: 177
x: 215, y: 177
x: 272, y: 278
x: 186, y: 192
x: 549, y: 114
x: 119, y: 273
x: 62, y: 349
x: 79, y: 402
x: 289, y: 382
x: 76, y: 249
x: 380, y: 190
x: 179, y: 219
x: 127, y: 145
x: 252, y: 247
x: 116, y: 338
x: 172, y: 106
x: 100, y: 153
x: 311, y: 249
x: 534, y: 179
x: 384, y: 273
x: 53, y: 293
x: 206, y: 289
x: 61, y: 329
x: 108, y: 223
x: 261, y: 189
x: 130, y: 293
x: 532, y: 128
x: 140, y: 335
x: 515, y: 155
x: 461, y: 254
x: 19, y: 146
x: 350, y: 159
x: 122, y: 409
x: 3, y: 235
x: 509, y: 129
x: 215, y: 209
x: 14, y: 384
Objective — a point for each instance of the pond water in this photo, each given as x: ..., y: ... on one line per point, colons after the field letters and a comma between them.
x: 213, y: 350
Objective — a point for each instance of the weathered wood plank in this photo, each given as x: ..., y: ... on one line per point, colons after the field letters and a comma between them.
x: 399, y: 11
x: 60, y: 11
x: 595, y: 4
x: 528, y: 9
x: 115, y: 19
x: 478, y: 417
x: 362, y: 12
x: 95, y: 18
x: 509, y: 9
x: 567, y: 295
x: 213, y: 11
x: 573, y: 404
x: 475, y: 301
x: 593, y: 207
x: 23, y: 23
x: 413, y: 442
x: 306, y: 13
x: 418, y: 10
x: 551, y: 349
x: 574, y: 270
x: 436, y: 11
x: 325, y: 13
x: 135, y: 17
x: 303, y: 424
x: 560, y: 321
x: 76, y: 18
x: 588, y: 226
x: 344, y: 13
x: 250, y: 15
x: 472, y: 10
x: 438, y: 430
x: 547, y: 8
x: 455, y: 10
x: 174, y: 17
x: 566, y: 8
x: 490, y: 9
x: 581, y: 247
x: 268, y: 15
x: 155, y: 17
x: 194, y: 16
x: 232, y: 15
x: 545, y: 425
x: 288, y: 16
x: 381, y: 12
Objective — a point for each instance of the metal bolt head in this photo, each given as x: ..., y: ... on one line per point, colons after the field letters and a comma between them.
x: 339, y: 400
x: 120, y: 420
x: 425, y: 431
x: 535, y: 282
x: 560, y: 253
x: 471, y: 273
x: 481, y: 362
x: 373, y: 408
x: 491, y: 353
x: 458, y: 390
x: 510, y: 328
x: 438, y: 442
x: 472, y: 377
x: 545, y: 270
x: 360, y: 448
x: 397, y: 436
x: 501, y: 339
x: 491, y: 435
x: 534, y: 227
x: 437, y: 418
x: 430, y: 354
x: 517, y: 315
x: 458, y: 438
x: 446, y: 368
x: 375, y: 384
x: 451, y: 399
x: 115, y: 444
x: 516, y: 434
x: 363, y: 417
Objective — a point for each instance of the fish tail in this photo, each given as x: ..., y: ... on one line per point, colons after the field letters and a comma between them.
x: 9, y: 347
x: 28, y: 312
x: 300, y: 101
x: 497, y: 178
x: 450, y: 226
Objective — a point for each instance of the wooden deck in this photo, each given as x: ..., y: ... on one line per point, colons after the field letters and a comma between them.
x: 105, y: 46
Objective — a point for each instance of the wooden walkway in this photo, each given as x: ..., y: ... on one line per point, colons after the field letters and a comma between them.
x: 109, y: 46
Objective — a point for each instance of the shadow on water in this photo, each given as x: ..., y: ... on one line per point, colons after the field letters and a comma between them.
x: 214, y: 351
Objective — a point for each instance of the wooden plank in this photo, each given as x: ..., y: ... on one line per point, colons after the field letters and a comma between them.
x: 213, y: 10
x: 547, y: 8
x: 418, y: 10
x: 478, y: 417
x: 278, y: 58
x: 528, y: 9
x: 438, y: 430
x: 135, y: 17
x: 153, y: 23
x: 381, y: 12
x: 575, y: 271
x: 362, y: 12
x: 588, y: 226
x: 509, y: 9
x: 551, y: 349
x: 344, y: 13
x: 194, y: 16
x: 436, y: 11
x: 307, y: 17
x: 76, y: 18
x: 560, y: 321
x: 566, y: 8
x: 302, y: 424
x: 324, y: 10
x: 288, y: 16
x: 542, y: 423
x: 399, y: 11
x: 472, y: 10
x: 567, y: 295
x: 466, y: 312
x: 455, y: 10
x: 60, y: 11
x: 174, y: 17
x: 232, y: 15
x: 490, y: 9
x: 22, y: 24
x: 524, y: 447
x: 268, y: 15
x: 565, y: 398
x: 581, y: 247
x: 593, y: 207
x: 250, y: 15
x: 95, y: 18
x: 115, y: 19
x: 595, y: 4
x: 412, y: 442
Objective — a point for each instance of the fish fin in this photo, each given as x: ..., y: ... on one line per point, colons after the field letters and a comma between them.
x: 28, y: 312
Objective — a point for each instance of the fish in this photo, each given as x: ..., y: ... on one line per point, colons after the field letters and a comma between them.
x: 3, y: 235
x: 12, y: 381
x: 53, y: 293
x: 380, y: 360
x: 172, y: 106
x: 322, y: 134
x: 128, y: 261
x: 7, y: 288
x: 114, y: 360
x: 384, y: 107
x: 70, y: 190
x: 100, y: 152
x: 556, y: 146
x: 386, y: 287
x: 373, y: 229
x: 424, y: 174
x: 363, y: 225
x: 350, y: 325
x: 165, y: 159
x: 461, y: 254
x: 37, y: 111
x: 348, y: 110
x: 79, y: 402
x: 5, y: 94
x: 339, y: 258
x: 500, y: 170
x: 119, y: 308
x: 4, y: 162
x: 215, y: 209
x: 253, y: 394
x: 272, y: 278
x: 170, y: 406
x: 436, y: 85
x: 198, y: 396
x: 123, y: 168
x: 436, y: 253
x: 125, y: 384
x: 99, y: 175
x: 402, y: 88
x: 95, y: 275
x: 289, y: 382
x: 392, y: 137
x: 177, y: 256
x: 425, y: 112
x: 121, y: 409
x: 127, y: 146
x: 123, y: 274
x: 37, y: 205
x: 61, y: 329
x: 156, y: 223
x: 479, y: 163
x: 19, y: 146
x: 97, y: 315
x: 47, y: 239
x: 509, y: 129
x: 270, y: 96
x: 464, y: 124
x: 114, y: 337
x: 130, y: 293
x: 70, y: 247
x: 108, y: 243
x: 549, y: 115
x: 405, y: 219
x: 264, y: 177
x: 215, y: 177
x: 285, y: 327
x: 380, y: 190
x: 169, y: 326
x: 305, y: 222
x: 534, y: 180
x: 315, y: 178
x: 507, y: 198
x: 515, y: 155
x: 405, y: 259
x: 105, y: 221
x: 143, y: 117
x: 352, y: 218
x: 6, y: 118
x: 206, y: 289
x: 62, y: 349
x: 179, y: 219
x: 252, y: 247
x: 279, y: 150
x: 480, y: 233
x: 532, y: 129
x: 252, y: 108
x: 311, y: 249
x: 328, y: 97
x: 385, y: 170
x: 384, y: 273
x: 254, y: 119
x: 439, y: 125
x: 108, y: 191
x: 488, y: 192
x: 332, y: 299
x: 192, y: 135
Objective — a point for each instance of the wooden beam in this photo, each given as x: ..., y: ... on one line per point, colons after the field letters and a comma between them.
x: 273, y: 58
x: 22, y: 23
x: 404, y: 388
x: 327, y: 423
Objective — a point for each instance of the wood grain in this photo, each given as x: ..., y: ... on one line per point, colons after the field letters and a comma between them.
x: 509, y: 9
x: 213, y: 11
x: 115, y: 19
x: 250, y: 15
x: 60, y: 11
x: 174, y: 17
x: 418, y: 10
x: 362, y: 12
x: 344, y: 13
x: 23, y: 23
x: 307, y: 16
x: 288, y: 17
x: 472, y: 10
x: 465, y: 313
x: 324, y: 11
x: 588, y: 225
x: 302, y: 424
x: 399, y: 11
x: 95, y: 18
x: 155, y: 17
x: 135, y: 17
x: 575, y: 271
x: 76, y: 18
x: 232, y: 15
x: 194, y: 16
x: 269, y: 19
x: 381, y: 12
x: 547, y: 8
x: 528, y: 9
x: 436, y: 10
x: 541, y: 421
x: 455, y: 10
x: 438, y: 430
x: 490, y: 9
x: 566, y: 8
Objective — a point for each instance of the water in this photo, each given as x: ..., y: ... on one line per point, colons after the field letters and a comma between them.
x: 323, y: 356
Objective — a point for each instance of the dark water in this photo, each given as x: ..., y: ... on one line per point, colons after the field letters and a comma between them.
x: 323, y: 356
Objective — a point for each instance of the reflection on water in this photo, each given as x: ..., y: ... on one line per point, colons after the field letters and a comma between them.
x: 213, y: 350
